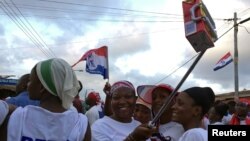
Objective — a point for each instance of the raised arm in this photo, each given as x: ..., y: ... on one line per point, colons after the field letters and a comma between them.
x: 107, y: 104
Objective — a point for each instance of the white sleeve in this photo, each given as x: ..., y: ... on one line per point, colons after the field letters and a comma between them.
x: 98, y: 133
x: 193, y: 136
x: 4, y: 110
x: 92, y: 115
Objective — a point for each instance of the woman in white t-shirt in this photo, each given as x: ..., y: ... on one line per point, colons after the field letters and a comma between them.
x: 168, y: 130
x: 217, y: 112
x: 190, y: 107
x: 120, y: 126
x: 54, y: 83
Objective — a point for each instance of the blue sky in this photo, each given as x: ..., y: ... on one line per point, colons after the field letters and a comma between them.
x: 145, y: 38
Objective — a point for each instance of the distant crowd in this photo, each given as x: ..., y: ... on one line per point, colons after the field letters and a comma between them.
x: 48, y: 107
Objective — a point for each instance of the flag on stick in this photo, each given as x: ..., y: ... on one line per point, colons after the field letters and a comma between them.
x: 96, y: 61
x: 225, y: 60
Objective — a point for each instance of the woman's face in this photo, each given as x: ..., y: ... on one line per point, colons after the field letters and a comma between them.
x: 123, y: 104
x: 34, y: 86
x: 142, y: 113
x: 159, y: 96
x: 184, y: 109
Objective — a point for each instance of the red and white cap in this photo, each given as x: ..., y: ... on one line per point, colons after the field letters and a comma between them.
x: 145, y: 91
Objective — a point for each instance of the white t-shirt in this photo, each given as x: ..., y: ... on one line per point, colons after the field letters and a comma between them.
x: 217, y: 123
x: 108, y: 129
x: 170, y: 131
x: 195, y: 134
x: 4, y: 110
x: 36, y: 123
x: 226, y: 119
x: 243, y: 122
x: 94, y: 113
x: 205, y: 122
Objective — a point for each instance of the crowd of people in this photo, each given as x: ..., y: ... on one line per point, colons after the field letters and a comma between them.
x: 48, y: 107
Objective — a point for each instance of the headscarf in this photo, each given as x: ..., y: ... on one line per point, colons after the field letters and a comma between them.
x: 57, y: 77
x: 120, y: 84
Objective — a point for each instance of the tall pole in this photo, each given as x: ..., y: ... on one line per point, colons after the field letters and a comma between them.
x: 236, y: 78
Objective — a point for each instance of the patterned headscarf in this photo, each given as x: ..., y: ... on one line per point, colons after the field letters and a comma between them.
x: 57, y: 76
x: 120, y: 84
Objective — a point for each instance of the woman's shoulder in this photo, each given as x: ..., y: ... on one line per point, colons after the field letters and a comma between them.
x: 172, y: 125
x: 198, y: 134
x: 108, y: 122
x: 102, y: 121
x: 196, y: 131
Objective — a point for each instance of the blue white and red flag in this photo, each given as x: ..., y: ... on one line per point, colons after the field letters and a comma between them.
x: 225, y: 60
x: 96, y: 61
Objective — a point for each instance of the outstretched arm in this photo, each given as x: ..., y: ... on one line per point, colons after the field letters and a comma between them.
x: 141, y: 133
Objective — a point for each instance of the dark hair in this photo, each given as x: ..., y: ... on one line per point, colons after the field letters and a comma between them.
x: 202, y: 96
x: 221, y: 109
x: 231, y: 103
x: 22, y: 84
x: 217, y: 102
x: 231, y: 106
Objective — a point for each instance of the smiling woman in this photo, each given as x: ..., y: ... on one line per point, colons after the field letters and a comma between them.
x: 194, y: 103
x: 120, y: 125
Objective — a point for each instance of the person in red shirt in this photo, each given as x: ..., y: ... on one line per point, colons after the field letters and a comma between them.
x: 240, y: 117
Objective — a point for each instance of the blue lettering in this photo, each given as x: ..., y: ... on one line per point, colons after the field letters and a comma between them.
x: 26, y: 138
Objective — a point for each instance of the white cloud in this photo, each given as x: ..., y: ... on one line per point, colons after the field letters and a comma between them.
x: 138, y: 50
